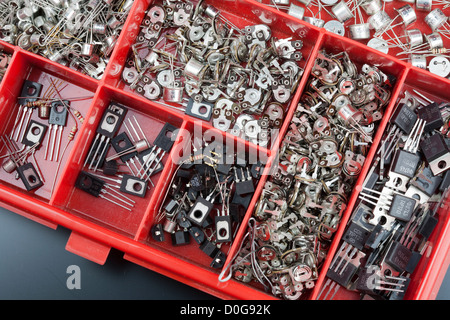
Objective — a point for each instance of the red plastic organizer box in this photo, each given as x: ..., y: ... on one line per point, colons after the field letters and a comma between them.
x: 97, y: 226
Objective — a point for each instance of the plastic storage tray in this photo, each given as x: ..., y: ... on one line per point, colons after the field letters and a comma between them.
x: 97, y: 227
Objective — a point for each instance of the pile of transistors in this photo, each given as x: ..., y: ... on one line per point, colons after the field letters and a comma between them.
x: 320, y: 159
x: 192, y: 58
x: 121, y: 160
x: 79, y: 34
x: 41, y: 117
x: 207, y: 199
x: 415, y: 31
x: 389, y: 230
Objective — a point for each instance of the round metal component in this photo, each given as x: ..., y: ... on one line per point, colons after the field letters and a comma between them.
x: 274, y: 111
x: 23, y: 41
x: 305, y: 2
x: 129, y: 75
x: 266, y: 253
x: 113, y: 22
x: 252, y: 129
x: 263, y: 81
x: 70, y: 13
x: 9, y: 166
x: 346, y: 85
x: 110, y: 42
x: 407, y: 14
x: 99, y: 28
x: 349, y: 112
x: 211, y: 93
x: 24, y: 25
x: 44, y: 111
x: 424, y: 5
x: 281, y: 94
x: 24, y: 13
x: 194, y: 69
x: 379, y: 20
x: 419, y: 60
x: 253, y: 96
x: 56, y: 56
x: 48, y: 26
x: 87, y: 49
x: 359, y: 31
x: 291, y: 66
x: 342, y: 12
x: 165, y: 78
x: 195, y: 33
x: 341, y: 101
x: 296, y: 11
x: 173, y: 94
x: 314, y: 21
x: 221, y: 123
x: 180, y: 17
x: 434, y: 40
x: 378, y: 44
x: 415, y: 37
x: 169, y: 226
x: 329, y: 2
x: 301, y: 273
x: 141, y: 145
x: 371, y: 6
x: 439, y: 66
x: 192, y: 88
x: 211, y: 11
x: 156, y: 14
x: 39, y: 21
x: 335, y: 27
x: 152, y: 90
x: 151, y: 57
x: 435, y: 19
x: 239, y: 51
x: 37, y: 39
x: 215, y: 57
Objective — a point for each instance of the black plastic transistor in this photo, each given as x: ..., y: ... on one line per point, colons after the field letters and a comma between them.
x: 404, y: 118
x: 402, y: 207
x: 100, y: 189
x: 406, y: 160
x: 436, y: 152
x: 432, y: 116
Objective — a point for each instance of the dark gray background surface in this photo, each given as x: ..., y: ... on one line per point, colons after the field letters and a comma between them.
x: 33, y: 265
